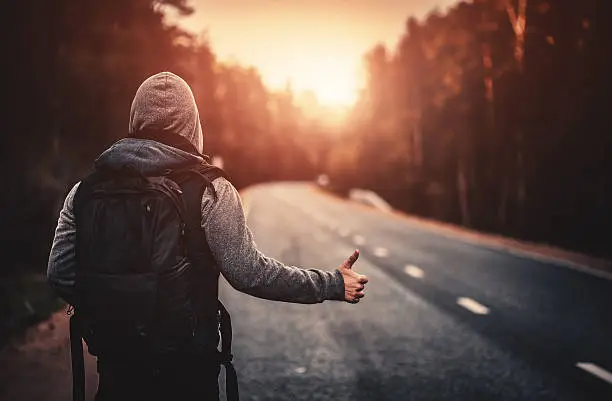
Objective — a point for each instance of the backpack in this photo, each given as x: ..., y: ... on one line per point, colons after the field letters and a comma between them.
x: 146, y: 283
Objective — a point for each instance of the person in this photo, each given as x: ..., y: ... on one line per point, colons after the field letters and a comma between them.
x: 96, y: 237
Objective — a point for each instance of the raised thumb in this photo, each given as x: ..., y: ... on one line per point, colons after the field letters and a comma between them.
x: 348, y: 264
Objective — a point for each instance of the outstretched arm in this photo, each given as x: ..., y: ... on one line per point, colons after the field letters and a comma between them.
x: 250, y: 271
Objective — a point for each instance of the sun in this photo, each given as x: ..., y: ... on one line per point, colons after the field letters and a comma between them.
x: 333, y: 81
x: 335, y: 93
x: 336, y: 88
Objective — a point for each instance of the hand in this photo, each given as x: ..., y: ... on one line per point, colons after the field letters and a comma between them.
x: 354, y: 283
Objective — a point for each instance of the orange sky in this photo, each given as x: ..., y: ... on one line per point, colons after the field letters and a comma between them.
x: 317, y: 44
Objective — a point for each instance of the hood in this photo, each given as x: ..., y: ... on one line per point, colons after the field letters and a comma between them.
x: 147, y: 156
x: 165, y: 104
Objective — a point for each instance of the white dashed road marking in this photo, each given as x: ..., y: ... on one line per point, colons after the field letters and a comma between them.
x: 473, y: 306
x: 414, y: 271
x: 300, y: 370
x: 381, y: 252
x: 358, y: 240
x: 596, y: 371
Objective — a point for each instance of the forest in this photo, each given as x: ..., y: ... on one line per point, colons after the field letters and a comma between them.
x: 495, y: 116
x: 492, y: 115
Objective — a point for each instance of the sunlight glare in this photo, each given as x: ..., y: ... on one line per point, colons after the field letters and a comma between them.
x: 334, y: 81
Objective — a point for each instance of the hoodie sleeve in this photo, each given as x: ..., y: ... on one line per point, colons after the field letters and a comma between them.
x: 246, y: 268
x: 62, y: 259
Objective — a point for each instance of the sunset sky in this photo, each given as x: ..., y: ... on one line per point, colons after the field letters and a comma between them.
x: 316, y: 44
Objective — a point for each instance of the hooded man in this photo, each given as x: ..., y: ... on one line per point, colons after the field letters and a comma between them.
x: 165, y: 136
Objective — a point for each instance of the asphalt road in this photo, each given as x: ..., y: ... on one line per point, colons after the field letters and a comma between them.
x: 443, y: 319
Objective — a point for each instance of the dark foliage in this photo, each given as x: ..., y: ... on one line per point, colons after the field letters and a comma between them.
x: 461, y: 129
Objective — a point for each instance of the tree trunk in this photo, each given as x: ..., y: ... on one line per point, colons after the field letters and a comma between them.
x: 462, y: 188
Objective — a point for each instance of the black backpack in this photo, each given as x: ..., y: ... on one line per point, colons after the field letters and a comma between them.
x: 146, y: 282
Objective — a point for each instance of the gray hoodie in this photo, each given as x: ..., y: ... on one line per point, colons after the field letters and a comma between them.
x: 165, y: 102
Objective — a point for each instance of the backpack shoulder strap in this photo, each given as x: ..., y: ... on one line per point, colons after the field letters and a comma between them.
x: 210, y: 173
x: 193, y: 185
x: 225, y: 355
x: 76, y: 333
x: 193, y: 182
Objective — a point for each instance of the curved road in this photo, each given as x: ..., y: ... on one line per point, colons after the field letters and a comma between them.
x: 443, y: 319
